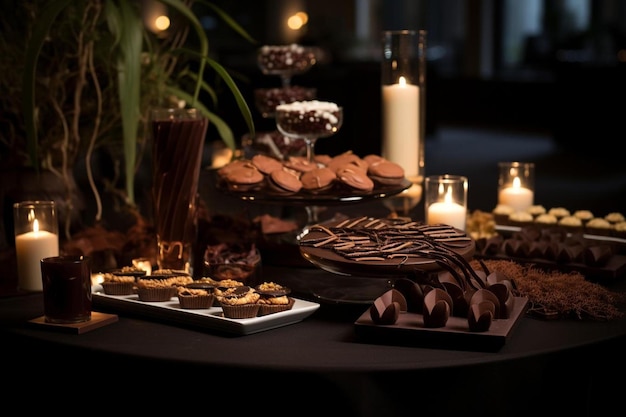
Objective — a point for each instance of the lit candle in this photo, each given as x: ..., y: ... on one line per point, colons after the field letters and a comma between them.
x: 401, y: 125
x: 30, y: 248
x: 517, y: 197
x: 447, y: 211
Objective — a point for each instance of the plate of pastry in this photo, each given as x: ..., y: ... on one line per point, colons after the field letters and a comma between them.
x: 323, y: 181
x: 211, y: 318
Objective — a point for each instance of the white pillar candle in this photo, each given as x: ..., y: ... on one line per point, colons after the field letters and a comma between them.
x: 447, y: 212
x: 401, y: 125
x: 517, y: 197
x: 30, y: 248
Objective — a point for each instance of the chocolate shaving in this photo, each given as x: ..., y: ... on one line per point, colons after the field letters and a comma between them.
x: 560, y: 295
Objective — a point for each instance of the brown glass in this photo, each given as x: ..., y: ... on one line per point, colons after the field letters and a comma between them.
x: 178, y: 140
x: 66, y: 289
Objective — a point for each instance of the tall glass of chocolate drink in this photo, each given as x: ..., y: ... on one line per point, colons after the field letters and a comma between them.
x: 178, y: 137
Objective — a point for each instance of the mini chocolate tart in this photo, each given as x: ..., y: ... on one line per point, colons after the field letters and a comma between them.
x: 270, y: 289
x: 200, y: 286
x: 166, y: 273
x: 236, y: 292
x: 128, y: 271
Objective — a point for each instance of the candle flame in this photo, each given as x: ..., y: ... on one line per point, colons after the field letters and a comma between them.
x: 446, y: 193
x: 517, y: 183
x: 35, y: 225
x: 441, y: 190
x: 402, y: 81
x: 448, y: 197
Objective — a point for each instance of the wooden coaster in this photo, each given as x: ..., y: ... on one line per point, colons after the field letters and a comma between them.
x: 97, y: 320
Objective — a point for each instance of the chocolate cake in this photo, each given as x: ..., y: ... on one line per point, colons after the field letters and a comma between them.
x: 385, y: 247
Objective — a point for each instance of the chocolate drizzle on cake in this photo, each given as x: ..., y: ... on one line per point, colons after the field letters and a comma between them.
x: 379, y: 240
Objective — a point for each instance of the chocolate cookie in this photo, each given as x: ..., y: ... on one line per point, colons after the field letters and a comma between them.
x: 244, y: 178
x: 266, y: 164
x: 318, y: 179
x: 355, y: 178
x: 300, y: 164
x: 284, y: 181
x: 386, y: 172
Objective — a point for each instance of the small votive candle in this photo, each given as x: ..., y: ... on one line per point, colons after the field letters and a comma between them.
x: 516, y: 184
x: 36, y: 237
x: 446, y: 200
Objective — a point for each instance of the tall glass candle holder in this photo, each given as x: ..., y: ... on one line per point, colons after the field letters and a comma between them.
x: 403, y: 79
x: 36, y: 237
x: 516, y: 184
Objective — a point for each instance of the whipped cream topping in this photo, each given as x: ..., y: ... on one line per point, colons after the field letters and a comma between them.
x: 322, y: 109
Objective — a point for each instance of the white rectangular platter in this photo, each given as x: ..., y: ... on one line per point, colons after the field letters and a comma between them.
x: 210, y: 318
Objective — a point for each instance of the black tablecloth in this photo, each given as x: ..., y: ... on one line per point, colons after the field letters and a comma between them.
x: 565, y: 366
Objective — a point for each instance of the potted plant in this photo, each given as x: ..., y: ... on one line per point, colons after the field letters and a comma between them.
x: 89, y: 75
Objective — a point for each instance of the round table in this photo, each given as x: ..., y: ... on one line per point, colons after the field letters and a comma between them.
x: 320, y: 365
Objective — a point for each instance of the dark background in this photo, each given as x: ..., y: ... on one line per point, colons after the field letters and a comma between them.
x: 509, y: 80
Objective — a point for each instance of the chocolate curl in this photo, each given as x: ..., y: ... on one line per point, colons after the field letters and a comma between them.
x: 437, y: 308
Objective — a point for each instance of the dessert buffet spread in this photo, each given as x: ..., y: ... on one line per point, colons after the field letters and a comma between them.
x: 223, y: 305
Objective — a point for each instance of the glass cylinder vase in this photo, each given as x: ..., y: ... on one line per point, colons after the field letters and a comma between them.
x: 178, y: 137
x: 36, y: 237
x: 403, y: 82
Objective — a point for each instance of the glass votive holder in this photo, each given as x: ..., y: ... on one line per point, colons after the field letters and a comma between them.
x: 445, y: 200
x: 36, y: 237
x: 403, y: 82
x: 516, y: 184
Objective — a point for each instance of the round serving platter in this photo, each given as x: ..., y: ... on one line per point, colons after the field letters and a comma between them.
x: 335, y: 195
x: 394, y: 247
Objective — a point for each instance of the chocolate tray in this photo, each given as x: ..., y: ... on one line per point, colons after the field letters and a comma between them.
x: 409, y: 330
x: 210, y: 318
x: 614, y: 268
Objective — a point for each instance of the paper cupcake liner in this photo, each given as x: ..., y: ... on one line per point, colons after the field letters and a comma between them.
x: 265, y: 309
x: 118, y: 288
x: 244, y: 311
x: 196, y: 301
x: 156, y: 294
